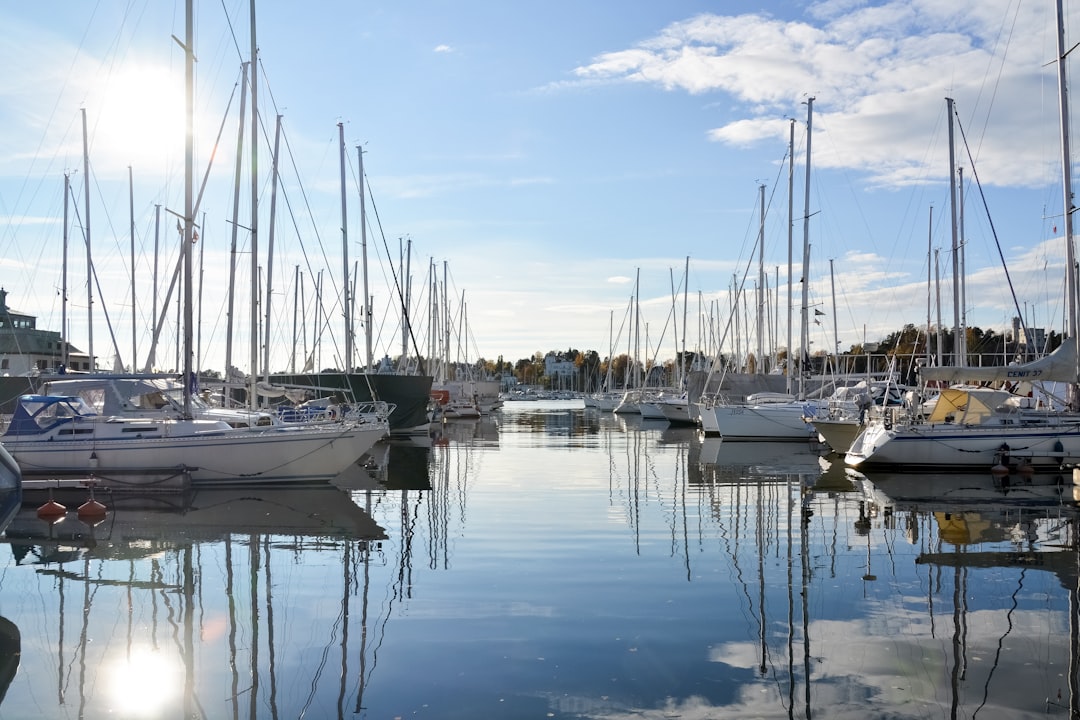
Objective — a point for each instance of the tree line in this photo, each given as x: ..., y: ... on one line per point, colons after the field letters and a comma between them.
x: 900, y: 351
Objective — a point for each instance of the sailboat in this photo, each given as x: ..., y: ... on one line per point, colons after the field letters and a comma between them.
x: 988, y: 426
x: 55, y: 435
x: 408, y: 394
x: 768, y: 416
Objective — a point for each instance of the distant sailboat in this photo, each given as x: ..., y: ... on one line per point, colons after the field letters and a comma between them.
x: 768, y: 416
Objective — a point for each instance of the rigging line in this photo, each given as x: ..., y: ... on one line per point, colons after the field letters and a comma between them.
x: 738, y: 296
x: 1001, y: 68
x: 412, y: 335
x: 993, y: 230
x: 1001, y: 641
x: 369, y: 314
x: 232, y: 32
x: 92, y: 273
x: 336, y: 295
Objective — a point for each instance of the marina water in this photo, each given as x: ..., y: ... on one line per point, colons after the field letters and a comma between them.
x: 549, y: 561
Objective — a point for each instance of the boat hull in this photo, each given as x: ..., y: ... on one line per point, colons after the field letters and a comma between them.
x: 839, y: 433
x: 949, y: 446
x: 409, y: 394
x: 280, y: 454
x: 757, y: 423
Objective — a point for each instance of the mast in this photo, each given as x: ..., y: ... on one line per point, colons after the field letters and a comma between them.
x: 790, y: 231
x: 346, y: 307
x: 89, y: 260
x: 1066, y: 184
x: 235, y: 219
x: 253, y: 371
x: 369, y: 360
x: 685, y: 300
x: 154, y: 303
x: 929, y: 280
x: 270, y: 249
x: 446, y: 321
x: 761, y: 283
x: 611, y: 351
x: 202, y: 277
x: 806, y: 251
x: 937, y: 286
x: 406, y: 301
x: 955, y: 243
x: 295, y: 310
x: 963, y: 265
x: 189, y: 184
x: 63, y: 279
x: 835, y: 327
x: 131, y: 217
x: 637, y: 329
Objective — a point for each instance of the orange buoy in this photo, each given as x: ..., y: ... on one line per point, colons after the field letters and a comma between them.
x: 52, y: 511
x: 92, y: 510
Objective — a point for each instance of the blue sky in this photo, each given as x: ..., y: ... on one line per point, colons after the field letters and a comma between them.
x: 545, y: 154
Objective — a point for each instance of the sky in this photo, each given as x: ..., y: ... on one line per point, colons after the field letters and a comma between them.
x: 549, y: 166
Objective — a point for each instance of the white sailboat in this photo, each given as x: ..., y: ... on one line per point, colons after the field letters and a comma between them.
x: 981, y: 427
x: 53, y: 435
x: 769, y: 416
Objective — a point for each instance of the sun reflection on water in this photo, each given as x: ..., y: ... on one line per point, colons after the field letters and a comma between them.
x: 144, y: 683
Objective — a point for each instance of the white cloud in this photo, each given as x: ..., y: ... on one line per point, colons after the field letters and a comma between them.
x: 880, y: 74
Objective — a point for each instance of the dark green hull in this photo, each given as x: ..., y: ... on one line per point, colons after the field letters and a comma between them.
x: 409, y: 394
x: 11, y: 388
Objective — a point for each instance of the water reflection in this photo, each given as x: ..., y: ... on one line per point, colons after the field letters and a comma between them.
x: 556, y: 562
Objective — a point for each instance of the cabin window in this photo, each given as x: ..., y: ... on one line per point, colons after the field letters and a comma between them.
x: 4, y: 364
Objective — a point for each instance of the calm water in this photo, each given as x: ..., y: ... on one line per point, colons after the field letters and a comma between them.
x: 553, y: 562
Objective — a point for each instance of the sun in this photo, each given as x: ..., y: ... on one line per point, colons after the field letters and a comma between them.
x: 138, y: 119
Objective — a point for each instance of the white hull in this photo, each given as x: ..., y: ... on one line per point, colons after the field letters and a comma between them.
x: 49, y: 438
x: 650, y: 411
x: 764, y: 422
x: 604, y: 402
x: 837, y: 433
x: 629, y: 403
x: 279, y: 454
x: 679, y: 412
x: 1046, y: 445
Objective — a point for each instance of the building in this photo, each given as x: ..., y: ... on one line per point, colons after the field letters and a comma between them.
x: 559, y: 369
x: 27, y: 350
x: 1030, y: 341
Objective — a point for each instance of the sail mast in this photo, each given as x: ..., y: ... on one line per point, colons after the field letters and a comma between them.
x: 1066, y: 184
x: 89, y: 260
x: 790, y: 231
x: 238, y: 172
x: 63, y: 281
x: 957, y: 341
x: 131, y: 220
x: 253, y: 371
x: 346, y: 306
x: 270, y: 249
x: 189, y: 185
x: 369, y: 360
x: 806, y: 252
